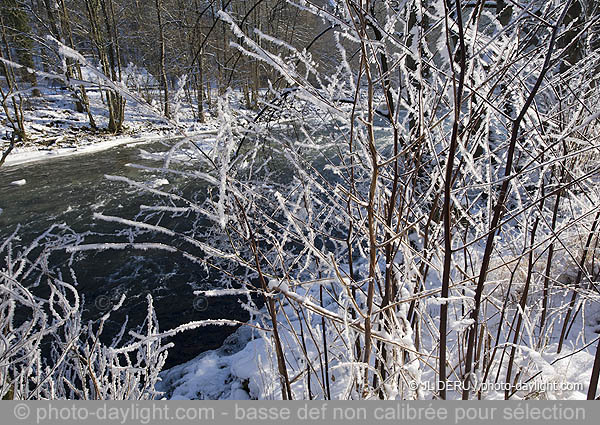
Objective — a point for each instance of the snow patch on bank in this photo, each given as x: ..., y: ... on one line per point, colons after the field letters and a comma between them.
x: 222, y: 374
x: 55, y: 129
x: 26, y: 156
x: 34, y: 155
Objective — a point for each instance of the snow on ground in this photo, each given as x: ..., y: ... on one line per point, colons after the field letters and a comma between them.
x: 32, y: 153
x: 243, y: 369
x: 55, y: 129
x: 217, y: 374
x: 246, y: 366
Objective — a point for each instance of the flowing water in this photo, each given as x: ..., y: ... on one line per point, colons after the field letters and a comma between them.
x: 70, y: 190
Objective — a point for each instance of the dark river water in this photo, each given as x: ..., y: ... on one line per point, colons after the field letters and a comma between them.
x: 70, y: 190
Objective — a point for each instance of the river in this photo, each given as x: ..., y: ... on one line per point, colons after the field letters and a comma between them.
x: 70, y: 190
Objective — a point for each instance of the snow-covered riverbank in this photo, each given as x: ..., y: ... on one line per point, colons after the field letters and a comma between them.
x: 54, y: 129
x: 33, y: 153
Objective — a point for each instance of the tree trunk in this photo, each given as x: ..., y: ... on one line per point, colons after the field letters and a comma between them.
x: 84, y: 102
x: 163, y: 73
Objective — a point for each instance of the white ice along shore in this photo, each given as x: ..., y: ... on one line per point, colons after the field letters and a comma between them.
x: 25, y: 156
x: 245, y: 366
